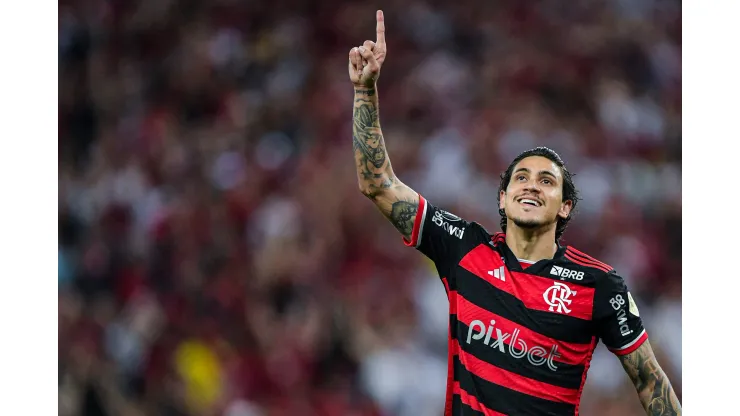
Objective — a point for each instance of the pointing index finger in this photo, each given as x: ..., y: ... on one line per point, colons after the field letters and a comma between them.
x: 380, y: 27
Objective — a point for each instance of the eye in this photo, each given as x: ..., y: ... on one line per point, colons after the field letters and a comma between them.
x: 547, y: 182
x: 520, y: 177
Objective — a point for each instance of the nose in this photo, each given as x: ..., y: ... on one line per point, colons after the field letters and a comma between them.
x: 532, y: 186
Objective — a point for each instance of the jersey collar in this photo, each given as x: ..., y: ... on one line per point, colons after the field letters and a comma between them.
x: 512, y: 263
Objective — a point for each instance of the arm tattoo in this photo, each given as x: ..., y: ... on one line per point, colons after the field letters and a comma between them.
x: 402, y: 216
x: 655, y: 391
x: 368, y: 139
x: 374, y: 172
x: 369, y: 92
x: 373, y: 167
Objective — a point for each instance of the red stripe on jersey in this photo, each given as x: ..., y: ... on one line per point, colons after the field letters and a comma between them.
x: 592, y: 347
x: 516, y: 382
x: 473, y: 402
x: 631, y: 347
x: 569, y: 353
x: 498, y: 238
x: 536, y: 292
x: 420, y: 212
x: 585, y: 263
x: 585, y: 258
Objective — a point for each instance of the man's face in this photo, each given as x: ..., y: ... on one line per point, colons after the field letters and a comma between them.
x: 534, y: 197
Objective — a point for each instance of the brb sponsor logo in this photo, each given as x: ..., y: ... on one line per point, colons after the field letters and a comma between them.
x: 566, y: 273
x: 617, y: 303
x: 518, y: 348
x: 558, y: 297
x: 444, y: 219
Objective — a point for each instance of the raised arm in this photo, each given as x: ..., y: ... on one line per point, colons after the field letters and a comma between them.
x: 655, y: 391
x: 396, y: 201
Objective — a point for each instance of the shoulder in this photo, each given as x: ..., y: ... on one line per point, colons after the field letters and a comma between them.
x: 584, y: 261
x: 586, y: 269
x: 602, y: 276
x: 438, y: 224
x: 456, y: 226
x: 479, y: 233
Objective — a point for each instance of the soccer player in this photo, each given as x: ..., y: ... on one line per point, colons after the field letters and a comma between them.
x: 525, y: 312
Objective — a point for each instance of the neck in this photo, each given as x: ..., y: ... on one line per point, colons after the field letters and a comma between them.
x: 531, y: 244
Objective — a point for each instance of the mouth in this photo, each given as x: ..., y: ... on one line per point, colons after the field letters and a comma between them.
x: 531, y: 202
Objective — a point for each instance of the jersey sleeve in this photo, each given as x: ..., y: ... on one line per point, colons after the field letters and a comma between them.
x: 616, y: 316
x: 443, y: 237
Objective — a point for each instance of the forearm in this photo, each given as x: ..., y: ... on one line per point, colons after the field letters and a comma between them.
x: 377, y: 181
x: 652, y: 384
x: 374, y: 171
x: 657, y: 395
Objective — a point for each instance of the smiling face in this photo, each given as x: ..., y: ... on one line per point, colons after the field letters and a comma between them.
x: 534, y: 196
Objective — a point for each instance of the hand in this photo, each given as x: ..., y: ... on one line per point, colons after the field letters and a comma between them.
x: 365, y: 61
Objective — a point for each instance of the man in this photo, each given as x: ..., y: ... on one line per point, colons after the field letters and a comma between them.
x: 525, y: 313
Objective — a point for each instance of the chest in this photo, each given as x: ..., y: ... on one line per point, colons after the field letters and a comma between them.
x: 544, y: 298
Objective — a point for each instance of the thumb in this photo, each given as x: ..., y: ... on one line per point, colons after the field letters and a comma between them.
x: 372, y: 63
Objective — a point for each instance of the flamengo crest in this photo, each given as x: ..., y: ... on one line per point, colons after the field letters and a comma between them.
x: 558, y: 297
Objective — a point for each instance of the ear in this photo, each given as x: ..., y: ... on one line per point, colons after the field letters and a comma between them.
x: 501, y: 199
x: 565, y: 208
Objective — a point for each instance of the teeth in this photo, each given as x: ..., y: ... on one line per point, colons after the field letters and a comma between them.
x: 530, y: 202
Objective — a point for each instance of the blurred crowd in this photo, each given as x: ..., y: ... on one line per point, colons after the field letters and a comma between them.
x: 215, y: 254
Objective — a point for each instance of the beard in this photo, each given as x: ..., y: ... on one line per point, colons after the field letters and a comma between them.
x: 529, y: 224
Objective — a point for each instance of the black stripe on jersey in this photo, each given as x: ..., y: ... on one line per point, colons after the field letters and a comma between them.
x: 507, y: 401
x: 461, y: 409
x: 558, y: 326
x: 544, y: 271
x: 567, y: 375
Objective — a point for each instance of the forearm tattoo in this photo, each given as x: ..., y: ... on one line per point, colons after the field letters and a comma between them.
x: 377, y: 181
x: 373, y: 167
x: 654, y: 388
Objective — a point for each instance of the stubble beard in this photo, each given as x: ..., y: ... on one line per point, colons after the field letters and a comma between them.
x: 529, y: 224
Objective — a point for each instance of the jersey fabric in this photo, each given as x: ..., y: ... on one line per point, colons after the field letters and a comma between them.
x: 521, y: 338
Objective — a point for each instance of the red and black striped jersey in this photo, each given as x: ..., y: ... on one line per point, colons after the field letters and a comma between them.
x: 521, y: 339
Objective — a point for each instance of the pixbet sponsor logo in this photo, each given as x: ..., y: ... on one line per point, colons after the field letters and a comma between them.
x: 558, y: 297
x: 443, y: 219
x: 566, y: 273
x: 518, y: 348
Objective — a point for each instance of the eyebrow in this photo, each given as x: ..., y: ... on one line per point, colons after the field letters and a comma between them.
x: 542, y: 172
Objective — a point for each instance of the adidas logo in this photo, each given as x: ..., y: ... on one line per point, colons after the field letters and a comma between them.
x: 564, y: 273
x: 498, y: 274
